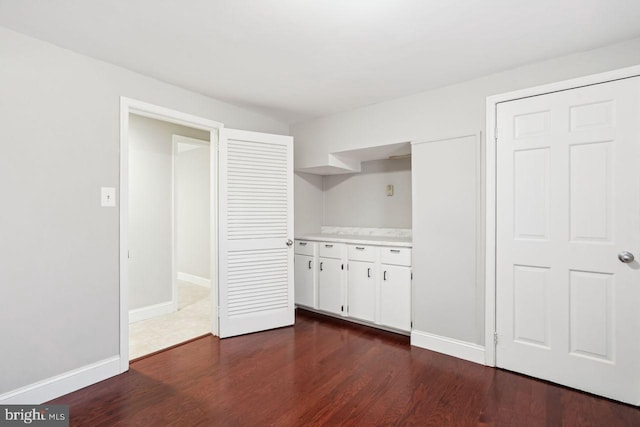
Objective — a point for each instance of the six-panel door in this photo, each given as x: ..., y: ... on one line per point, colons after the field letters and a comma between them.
x: 568, y: 205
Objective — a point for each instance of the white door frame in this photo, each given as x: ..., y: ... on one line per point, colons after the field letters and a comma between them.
x: 132, y: 106
x: 490, y: 249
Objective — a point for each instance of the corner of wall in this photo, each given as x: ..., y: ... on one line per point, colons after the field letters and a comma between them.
x: 449, y: 346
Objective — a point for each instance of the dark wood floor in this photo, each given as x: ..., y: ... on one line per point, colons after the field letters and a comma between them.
x: 327, y: 372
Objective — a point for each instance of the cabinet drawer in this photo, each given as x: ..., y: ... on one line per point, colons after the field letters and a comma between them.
x: 331, y: 250
x: 304, y: 247
x: 362, y: 253
x: 395, y: 256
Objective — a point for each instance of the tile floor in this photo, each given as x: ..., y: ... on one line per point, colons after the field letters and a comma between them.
x: 192, y: 319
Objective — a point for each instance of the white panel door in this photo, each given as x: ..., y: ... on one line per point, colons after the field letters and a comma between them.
x: 256, y: 232
x: 568, y: 204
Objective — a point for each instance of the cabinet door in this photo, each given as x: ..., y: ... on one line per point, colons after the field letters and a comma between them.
x: 304, y: 280
x: 361, y: 294
x: 395, y: 297
x: 330, y: 297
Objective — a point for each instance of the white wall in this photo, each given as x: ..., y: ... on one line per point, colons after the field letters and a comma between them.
x: 192, y: 194
x: 60, y: 136
x: 150, y: 208
x: 360, y: 200
x: 448, y: 112
x: 446, y: 233
x: 308, y: 203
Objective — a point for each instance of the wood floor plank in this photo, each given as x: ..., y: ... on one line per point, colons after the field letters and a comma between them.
x: 326, y: 372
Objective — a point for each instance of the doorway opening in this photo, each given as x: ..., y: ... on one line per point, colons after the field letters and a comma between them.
x: 168, y: 213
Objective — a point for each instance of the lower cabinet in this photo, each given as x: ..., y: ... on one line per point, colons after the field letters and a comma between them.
x: 395, y: 297
x: 368, y: 283
x: 361, y: 290
x: 304, y: 280
x: 330, y: 285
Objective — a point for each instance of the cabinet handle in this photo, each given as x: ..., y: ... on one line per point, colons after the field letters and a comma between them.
x: 320, y: 266
x: 302, y: 243
x: 309, y: 264
x: 395, y: 251
x: 384, y: 275
x: 368, y: 272
x: 359, y: 248
x: 328, y: 246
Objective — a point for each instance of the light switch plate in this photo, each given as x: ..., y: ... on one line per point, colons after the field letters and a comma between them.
x: 390, y: 190
x: 108, y: 197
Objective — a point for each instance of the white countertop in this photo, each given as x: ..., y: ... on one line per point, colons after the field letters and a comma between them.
x: 358, y: 239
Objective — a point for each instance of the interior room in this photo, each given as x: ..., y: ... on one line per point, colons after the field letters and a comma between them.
x: 321, y: 213
x: 169, y: 282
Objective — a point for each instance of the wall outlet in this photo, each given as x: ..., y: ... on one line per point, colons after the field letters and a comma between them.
x: 108, y: 197
x: 390, y: 190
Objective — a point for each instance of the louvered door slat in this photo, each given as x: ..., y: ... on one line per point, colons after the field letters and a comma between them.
x: 256, y: 205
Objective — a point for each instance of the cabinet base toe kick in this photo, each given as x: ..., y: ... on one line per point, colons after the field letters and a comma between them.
x: 347, y: 320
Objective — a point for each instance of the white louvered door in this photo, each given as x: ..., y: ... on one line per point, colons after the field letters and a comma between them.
x: 255, y: 232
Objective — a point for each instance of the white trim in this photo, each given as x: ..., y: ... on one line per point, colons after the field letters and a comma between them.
x: 449, y: 346
x: 490, y: 249
x: 59, y: 385
x: 196, y: 280
x: 144, y: 313
x: 174, y: 227
x: 128, y: 106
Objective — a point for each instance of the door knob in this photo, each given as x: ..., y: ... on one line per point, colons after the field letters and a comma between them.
x: 289, y: 242
x: 626, y: 257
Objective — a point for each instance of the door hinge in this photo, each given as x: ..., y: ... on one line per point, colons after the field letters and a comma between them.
x: 342, y: 266
x: 411, y: 324
x: 495, y: 338
x: 496, y: 134
x: 342, y: 308
x: 412, y: 275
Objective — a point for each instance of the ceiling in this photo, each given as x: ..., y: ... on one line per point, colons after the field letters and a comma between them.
x: 300, y: 59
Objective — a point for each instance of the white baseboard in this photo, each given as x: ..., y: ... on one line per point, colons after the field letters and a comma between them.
x: 452, y: 347
x: 50, y: 388
x: 196, y: 280
x: 144, y: 313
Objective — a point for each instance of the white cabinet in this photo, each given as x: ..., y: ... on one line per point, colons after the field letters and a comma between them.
x: 395, y: 297
x: 304, y: 277
x: 330, y: 285
x: 395, y: 288
x: 305, y: 274
x: 367, y: 283
x: 361, y: 284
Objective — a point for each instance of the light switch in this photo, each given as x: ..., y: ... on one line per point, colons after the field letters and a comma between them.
x: 108, y: 197
x: 390, y: 190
